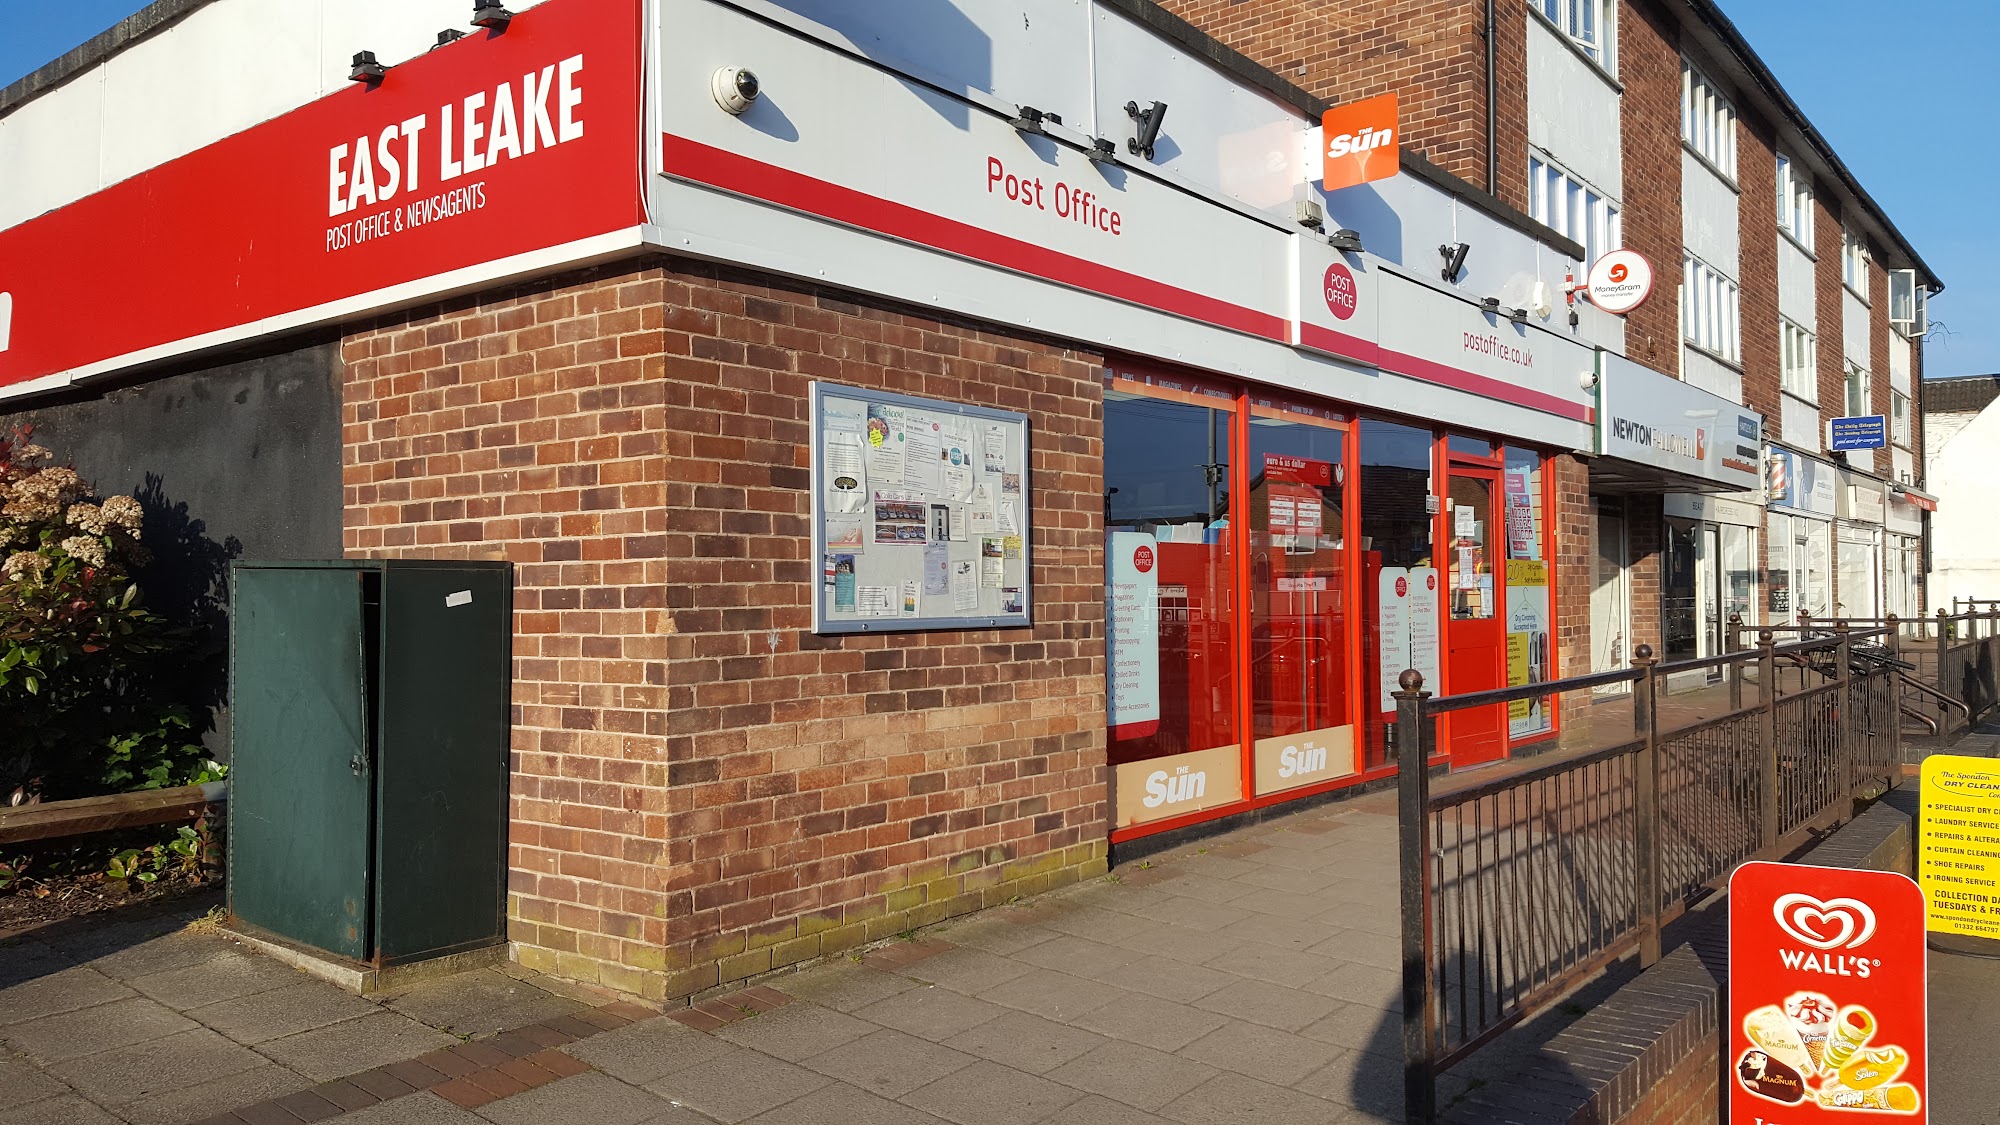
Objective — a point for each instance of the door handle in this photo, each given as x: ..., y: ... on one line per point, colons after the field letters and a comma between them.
x: 354, y: 764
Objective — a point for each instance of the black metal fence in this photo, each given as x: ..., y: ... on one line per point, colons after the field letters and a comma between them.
x: 1521, y: 880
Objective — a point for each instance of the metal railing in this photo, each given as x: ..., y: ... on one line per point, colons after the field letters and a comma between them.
x: 1521, y: 880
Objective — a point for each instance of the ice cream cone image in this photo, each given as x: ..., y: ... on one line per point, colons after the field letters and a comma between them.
x: 1850, y: 1030
x: 1812, y: 1013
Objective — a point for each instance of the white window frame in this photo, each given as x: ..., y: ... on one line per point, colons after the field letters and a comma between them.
x: 1857, y: 391
x: 1795, y: 203
x: 1799, y: 350
x: 1711, y: 311
x: 1854, y: 263
x: 1899, y: 418
x: 1573, y: 208
x: 1708, y: 121
x: 1589, y: 25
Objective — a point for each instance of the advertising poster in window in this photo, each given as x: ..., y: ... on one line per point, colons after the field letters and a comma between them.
x: 1423, y: 613
x: 1527, y: 643
x: 1132, y: 601
x: 1393, y: 622
x: 899, y: 484
x: 1528, y: 603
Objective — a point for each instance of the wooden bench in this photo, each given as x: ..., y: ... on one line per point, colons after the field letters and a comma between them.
x: 53, y: 819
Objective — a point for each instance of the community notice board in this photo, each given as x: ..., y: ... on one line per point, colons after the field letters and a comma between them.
x: 920, y: 513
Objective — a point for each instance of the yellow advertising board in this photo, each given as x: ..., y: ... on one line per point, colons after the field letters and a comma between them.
x: 1958, y: 859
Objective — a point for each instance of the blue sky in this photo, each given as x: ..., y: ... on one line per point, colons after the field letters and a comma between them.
x: 1907, y: 103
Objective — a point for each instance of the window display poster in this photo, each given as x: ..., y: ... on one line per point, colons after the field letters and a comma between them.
x: 902, y: 490
x: 1527, y: 644
x: 1423, y: 614
x: 1132, y: 587
x: 1521, y: 538
x: 1393, y: 622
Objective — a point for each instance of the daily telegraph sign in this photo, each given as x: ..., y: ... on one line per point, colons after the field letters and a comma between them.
x: 500, y: 153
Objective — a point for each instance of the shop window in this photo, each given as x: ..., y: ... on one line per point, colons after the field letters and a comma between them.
x: 1399, y: 582
x: 1782, y: 561
x: 1461, y: 446
x: 1170, y: 581
x: 1300, y: 718
x: 1530, y: 635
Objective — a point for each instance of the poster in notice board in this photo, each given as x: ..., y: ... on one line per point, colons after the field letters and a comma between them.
x: 920, y: 513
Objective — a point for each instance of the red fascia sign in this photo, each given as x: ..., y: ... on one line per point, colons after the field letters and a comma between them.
x: 499, y: 145
x: 1828, y: 1014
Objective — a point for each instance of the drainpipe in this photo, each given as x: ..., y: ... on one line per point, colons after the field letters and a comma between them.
x: 1492, y: 157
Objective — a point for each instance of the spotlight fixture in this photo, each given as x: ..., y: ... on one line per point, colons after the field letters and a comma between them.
x: 491, y: 15
x: 1104, y: 150
x: 1345, y: 239
x: 448, y: 35
x: 366, y: 69
x: 1454, y: 258
x: 1490, y: 304
x: 1308, y: 214
x: 1518, y: 316
x: 1149, y: 121
x: 1029, y: 120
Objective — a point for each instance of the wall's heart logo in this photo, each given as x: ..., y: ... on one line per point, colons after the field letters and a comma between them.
x: 6, y: 319
x: 1825, y: 925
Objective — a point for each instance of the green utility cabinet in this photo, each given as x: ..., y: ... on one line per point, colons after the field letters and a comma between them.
x: 369, y: 717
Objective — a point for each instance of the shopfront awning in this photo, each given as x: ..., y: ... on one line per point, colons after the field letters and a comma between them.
x: 1916, y: 496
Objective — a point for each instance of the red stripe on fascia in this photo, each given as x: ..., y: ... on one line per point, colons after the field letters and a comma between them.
x: 743, y: 175
x: 1484, y: 386
x: 1338, y: 343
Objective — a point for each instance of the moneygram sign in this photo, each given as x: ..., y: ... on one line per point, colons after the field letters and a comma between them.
x: 499, y: 154
x: 1827, y: 995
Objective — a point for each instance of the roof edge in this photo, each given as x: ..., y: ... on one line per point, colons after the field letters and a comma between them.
x: 1711, y: 14
x: 139, y: 25
x: 1237, y: 65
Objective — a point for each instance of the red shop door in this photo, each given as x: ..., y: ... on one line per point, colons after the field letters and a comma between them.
x: 1476, y: 626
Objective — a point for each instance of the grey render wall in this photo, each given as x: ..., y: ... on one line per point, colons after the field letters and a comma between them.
x: 235, y: 461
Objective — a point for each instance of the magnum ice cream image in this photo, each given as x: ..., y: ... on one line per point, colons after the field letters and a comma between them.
x: 1812, y: 1013
x: 1763, y: 1075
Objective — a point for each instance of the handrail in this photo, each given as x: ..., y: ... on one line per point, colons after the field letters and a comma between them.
x: 1622, y: 833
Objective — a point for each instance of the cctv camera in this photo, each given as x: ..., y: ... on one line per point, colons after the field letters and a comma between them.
x: 734, y: 88
x: 1587, y: 380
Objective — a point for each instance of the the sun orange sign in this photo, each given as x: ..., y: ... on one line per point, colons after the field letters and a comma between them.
x: 1360, y: 142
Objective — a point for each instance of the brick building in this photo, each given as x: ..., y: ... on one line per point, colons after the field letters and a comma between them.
x: 1655, y: 127
x: 937, y: 445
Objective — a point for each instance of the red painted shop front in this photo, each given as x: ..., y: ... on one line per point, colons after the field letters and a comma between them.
x: 1251, y: 659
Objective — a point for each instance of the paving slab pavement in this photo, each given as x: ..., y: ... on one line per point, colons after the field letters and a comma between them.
x: 1247, y: 978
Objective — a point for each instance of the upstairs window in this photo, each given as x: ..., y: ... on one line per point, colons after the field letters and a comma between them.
x: 1573, y: 208
x: 1854, y: 262
x: 1710, y: 317
x: 1801, y: 370
x: 1587, y: 23
x: 1857, y: 391
x: 1708, y: 122
x: 1795, y: 202
x: 1899, y: 418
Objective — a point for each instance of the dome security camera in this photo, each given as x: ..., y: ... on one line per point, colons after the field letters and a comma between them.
x: 1587, y: 380
x: 734, y: 89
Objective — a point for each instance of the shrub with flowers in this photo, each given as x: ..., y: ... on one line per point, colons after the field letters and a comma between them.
x: 82, y: 710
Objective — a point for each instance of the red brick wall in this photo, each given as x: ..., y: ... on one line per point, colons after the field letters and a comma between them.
x: 693, y: 803
x: 1690, y: 1094
x: 1433, y: 56
x: 1649, y: 64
